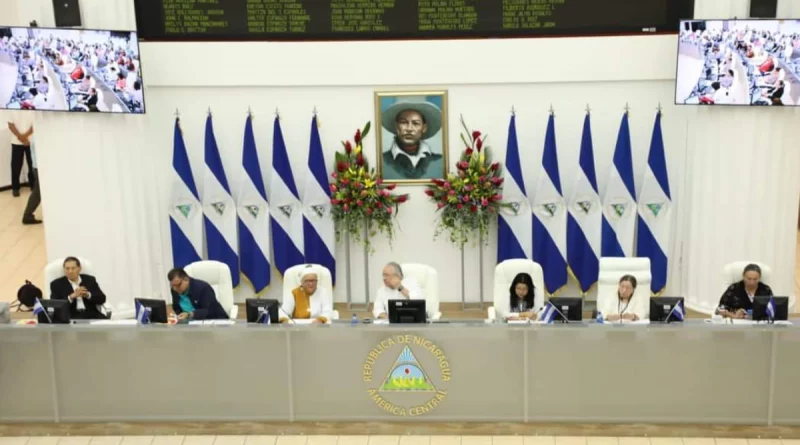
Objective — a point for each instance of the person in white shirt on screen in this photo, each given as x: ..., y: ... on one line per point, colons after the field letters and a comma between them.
x: 624, y: 307
x: 307, y: 301
x: 395, y: 287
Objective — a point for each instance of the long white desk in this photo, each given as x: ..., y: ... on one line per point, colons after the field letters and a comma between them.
x: 693, y: 373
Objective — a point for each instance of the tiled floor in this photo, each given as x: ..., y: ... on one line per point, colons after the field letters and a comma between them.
x: 382, y: 440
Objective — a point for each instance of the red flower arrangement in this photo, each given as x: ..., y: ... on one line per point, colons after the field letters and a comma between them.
x: 358, y: 198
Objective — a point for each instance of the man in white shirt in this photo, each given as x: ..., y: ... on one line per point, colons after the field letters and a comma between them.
x: 395, y: 287
x: 21, y: 126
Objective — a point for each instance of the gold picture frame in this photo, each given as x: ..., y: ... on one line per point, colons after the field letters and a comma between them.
x: 428, y: 110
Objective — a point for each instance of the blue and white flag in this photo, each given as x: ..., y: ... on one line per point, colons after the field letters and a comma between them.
x: 549, y: 313
x: 185, y: 211
x: 264, y: 317
x: 619, y: 202
x: 585, y: 219
x: 678, y: 311
x: 253, y: 211
x: 142, y: 314
x: 514, y: 226
x: 38, y: 308
x: 771, y: 308
x: 550, y: 217
x: 286, y: 211
x: 319, y: 233
x: 219, y: 210
x: 655, y: 215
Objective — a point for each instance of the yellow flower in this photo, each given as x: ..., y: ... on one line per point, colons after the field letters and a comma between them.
x: 357, y: 150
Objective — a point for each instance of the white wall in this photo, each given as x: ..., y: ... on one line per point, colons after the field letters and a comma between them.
x: 125, y: 161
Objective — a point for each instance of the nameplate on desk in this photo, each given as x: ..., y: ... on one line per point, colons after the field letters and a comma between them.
x: 212, y: 323
x: 112, y: 323
x: 380, y: 321
x: 519, y: 321
x: 303, y: 321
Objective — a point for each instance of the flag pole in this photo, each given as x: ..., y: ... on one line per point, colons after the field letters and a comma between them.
x: 366, y: 263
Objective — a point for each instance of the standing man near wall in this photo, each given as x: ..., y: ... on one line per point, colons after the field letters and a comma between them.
x: 21, y: 126
x: 35, y: 197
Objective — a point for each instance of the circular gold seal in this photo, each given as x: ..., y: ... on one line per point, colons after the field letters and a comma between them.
x: 403, y: 387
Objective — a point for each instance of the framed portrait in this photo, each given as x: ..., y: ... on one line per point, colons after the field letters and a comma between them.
x: 412, y: 141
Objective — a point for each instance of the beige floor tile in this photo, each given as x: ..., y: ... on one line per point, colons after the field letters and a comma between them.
x: 415, y: 440
x: 321, y: 440
x: 764, y: 441
x: 353, y: 440
x: 567, y: 440
x: 633, y: 441
x: 230, y: 440
x: 666, y: 441
x: 13, y: 440
x: 260, y: 440
x: 508, y: 440
x: 726, y: 441
x: 106, y: 440
x: 476, y: 440
x: 167, y: 440
x: 75, y: 440
x: 791, y: 441
x: 444, y: 440
x: 384, y: 440
x: 198, y: 440
x: 698, y: 441
x: 291, y: 440
x: 540, y: 440
x: 137, y: 440
x: 602, y: 441
x: 53, y: 440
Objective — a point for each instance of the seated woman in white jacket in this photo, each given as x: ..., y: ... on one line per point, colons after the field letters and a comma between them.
x: 307, y: 301
x: 624, y: 307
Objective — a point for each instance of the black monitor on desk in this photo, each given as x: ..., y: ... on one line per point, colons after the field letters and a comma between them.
x: 760, y: 308
x: 407, y: 311
x: 57, y: 312
x: 662, y: 309
x: 259, y: 308
x: 569, y: 307
x: 156, y: 307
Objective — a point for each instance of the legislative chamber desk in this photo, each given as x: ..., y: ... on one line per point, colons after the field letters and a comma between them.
x: 447, y: 372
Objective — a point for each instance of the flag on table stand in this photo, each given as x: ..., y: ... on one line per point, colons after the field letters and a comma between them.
x: 142, y: 314
x: 585, y: 218
x: 253, y: 210
x: 287, y: 213
x: 550, y: 217
x: 219, y: 209
x: 548, y: 313
x: 655, y: 216
x: 319, y: 234
x: 771, y: 308
x: 619, y: 204
x: 39, y: 309
x: 515, y: 227
x: 678, y: 312
x: 185, y: 211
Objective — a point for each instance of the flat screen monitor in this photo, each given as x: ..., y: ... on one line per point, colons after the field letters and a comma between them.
x: 760, y: 308
x: 407, y: 311
x: 569, y: 307
x: 738, y: 62
x: 157, y: 308
x: 57, y: 312
x: 661, y: 309
x: 259, y: 308
x: 80, y: 70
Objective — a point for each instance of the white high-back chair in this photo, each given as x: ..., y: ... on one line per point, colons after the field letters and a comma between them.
x: 291, y: 280
x: 612, y: 269
x: 218, y: 275
x: 55, y: 270
x: 732, y: 273
x: 428, y: 280
x: 504, y: 274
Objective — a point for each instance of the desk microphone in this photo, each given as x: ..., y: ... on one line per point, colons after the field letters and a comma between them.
x: 280, y: 308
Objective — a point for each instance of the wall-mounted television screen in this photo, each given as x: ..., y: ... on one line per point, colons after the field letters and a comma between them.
x: 738, y: 62
x: 52, y: 69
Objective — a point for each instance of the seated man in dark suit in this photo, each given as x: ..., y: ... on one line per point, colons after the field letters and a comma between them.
x: 82, y: 291
x: 193, y: 298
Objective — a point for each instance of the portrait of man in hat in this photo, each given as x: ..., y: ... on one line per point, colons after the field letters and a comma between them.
x: 412, y: 140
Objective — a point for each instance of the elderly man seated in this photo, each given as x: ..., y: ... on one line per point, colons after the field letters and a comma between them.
x: 307, y: 301
x: 395, y: 287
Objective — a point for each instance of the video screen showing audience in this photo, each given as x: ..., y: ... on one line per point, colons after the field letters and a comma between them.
x: 93, y: 71
x: 738, y: 62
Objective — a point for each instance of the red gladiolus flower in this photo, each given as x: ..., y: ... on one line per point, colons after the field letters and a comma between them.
x: 476, y: 134
x: 384, y: 192
x: 465, y: 198
x: 391, y: 186
x: 357, y: 185
x: 460, y: 206
x: 468, y: 153
x: 429, y: 192
x: 446, y: 185
x: 468, y: 188
x: 484, y: 202
x: 341, y: 166
x: 379, y: 182
x: 473, y: 208
x: 369, y: 211
x: 348, y: 147
x: 379, y: 205
x: 336, y: 201
x: 357, y: 137
x: 333, y: 187
x: 389, y: 210
x: 360, y: 160
x: 497, y: 197
x: 495, y: 166
x: 482, y: 178
x: 497, y: 181
x: 359, y: 203
x: 334, y: 175
x: 346, y: 207
x: 440, y: 205
x: 463, y: 165
x: 402, y: 198
x: 451, y: 192
x: 478, y: 144
x: 345, y: 181
x: 438, y: 182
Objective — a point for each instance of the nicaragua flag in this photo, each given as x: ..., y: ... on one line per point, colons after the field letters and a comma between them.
x: 219, y: 210
x: 38, y: 308
x: 287, y: 213
x: 253, y: 211
x: 678, y: 312
x: 585, y: 218
x: 550, y: 217
x: 185, y: 211
x: 771, y: 308
x: 319, y: 234
x: 619, y: 204
x: 655, y: 216
x: 548, y: 314
x: 515, y: 227
x: 142, y: 314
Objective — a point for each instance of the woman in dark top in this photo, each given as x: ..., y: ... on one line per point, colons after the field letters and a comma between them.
x: 738, y: 297
x: 521, y: 296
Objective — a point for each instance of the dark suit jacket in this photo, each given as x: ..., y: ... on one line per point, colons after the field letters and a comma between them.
x: 735, y: 297
x: 206, y: 306
x: 429, y: 167
x: 60, y: 289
